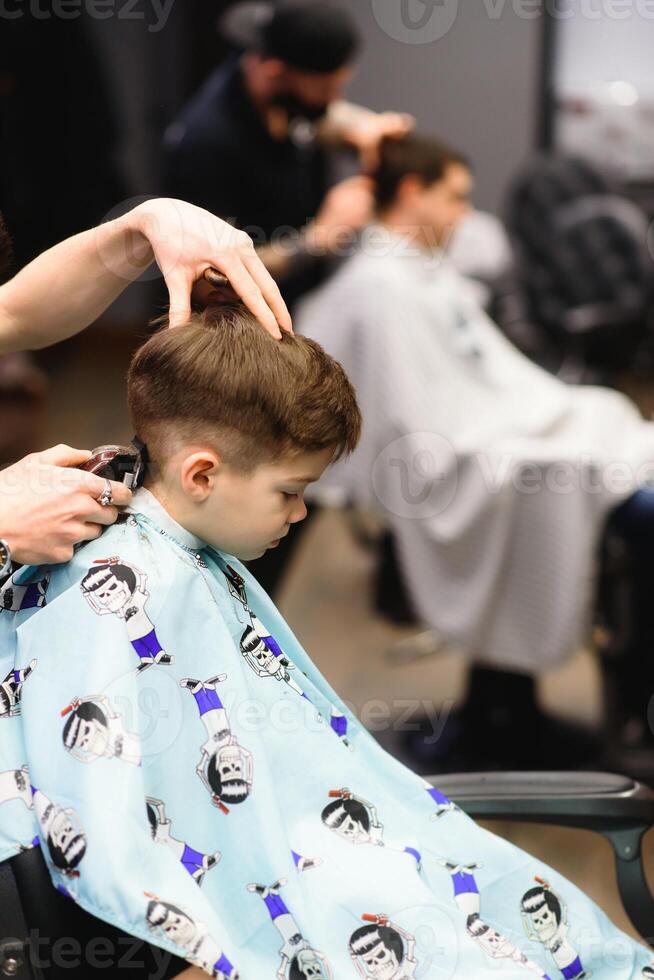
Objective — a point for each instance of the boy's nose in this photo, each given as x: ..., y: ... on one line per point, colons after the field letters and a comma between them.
x: 299, y: 512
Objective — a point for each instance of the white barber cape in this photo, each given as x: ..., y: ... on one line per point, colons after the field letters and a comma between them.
x: 495, y: 477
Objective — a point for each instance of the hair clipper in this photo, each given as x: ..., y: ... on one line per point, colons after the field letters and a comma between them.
x: 121, y: 464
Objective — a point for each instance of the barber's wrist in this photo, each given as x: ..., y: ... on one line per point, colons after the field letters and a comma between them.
x: 140, y: 223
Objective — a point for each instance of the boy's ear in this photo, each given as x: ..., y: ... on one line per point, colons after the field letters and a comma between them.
x: 198, y: 473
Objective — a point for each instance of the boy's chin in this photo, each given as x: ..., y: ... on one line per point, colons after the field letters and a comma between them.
x: 250, y: 554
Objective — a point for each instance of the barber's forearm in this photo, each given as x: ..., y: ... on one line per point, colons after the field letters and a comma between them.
x: 276, y: 262
x: 69, y: 286
x: 343, y: 117
x: 301, y: 252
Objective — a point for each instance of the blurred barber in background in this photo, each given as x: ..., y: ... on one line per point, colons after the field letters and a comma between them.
x: 257, y: 144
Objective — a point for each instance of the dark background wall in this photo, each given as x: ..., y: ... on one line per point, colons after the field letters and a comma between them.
x: 477, y: 87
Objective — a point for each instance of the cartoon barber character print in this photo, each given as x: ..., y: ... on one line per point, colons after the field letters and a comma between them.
x: 301, y: 863
x: 225, y: 767
x: 11, y: 690
x: 94, y: 731
x: 61, y: 832
x: 545, y: 921
x: 196, y: 863
x: 266, y: 658
x: 466, y: 890
x: 498, y: 947
x: 299, y: 961
x: 112, y: 586
x: 259, y: 648
x: 200, y: 948
x: 15, y: 785
x: 357, y: 822
x: 383, y: 950
x: 443, y: 805
x: 16, y: 598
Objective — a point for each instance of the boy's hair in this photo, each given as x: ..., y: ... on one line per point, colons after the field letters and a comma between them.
x: 223, y: 378
x: 413, y: 154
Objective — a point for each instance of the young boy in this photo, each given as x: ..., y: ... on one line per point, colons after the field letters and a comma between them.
x: 190, y: 776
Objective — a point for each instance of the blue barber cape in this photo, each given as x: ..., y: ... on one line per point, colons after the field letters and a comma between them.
x: 192, y: 779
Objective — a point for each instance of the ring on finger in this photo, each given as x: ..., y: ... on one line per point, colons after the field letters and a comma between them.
x: 106, y: 497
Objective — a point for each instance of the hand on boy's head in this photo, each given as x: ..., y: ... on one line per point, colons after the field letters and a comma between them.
x: 47, y: 506
x: 205, y: 294
x: 187, y: 240
x: 237, y: 425
x: 370, y: 129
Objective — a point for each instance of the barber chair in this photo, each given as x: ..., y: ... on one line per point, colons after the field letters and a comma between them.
x: 584, y: 274
x: 33, y: 915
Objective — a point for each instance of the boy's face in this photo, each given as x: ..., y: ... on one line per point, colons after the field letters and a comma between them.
x: 245, y: 514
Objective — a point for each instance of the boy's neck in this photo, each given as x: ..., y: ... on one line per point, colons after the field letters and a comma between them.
x: 156, y: 505
x: 164, y: 498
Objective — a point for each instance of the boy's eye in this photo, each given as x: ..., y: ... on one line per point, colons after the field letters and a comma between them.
x: 288, y: 494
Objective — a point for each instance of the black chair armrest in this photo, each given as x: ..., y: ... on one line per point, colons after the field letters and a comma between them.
x: 617, y: 807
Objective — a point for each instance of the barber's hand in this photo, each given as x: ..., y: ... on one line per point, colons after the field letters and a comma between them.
x: 46, y: 507
x: 347, y: 207
x: 187, y: 240
x: 368, y: 129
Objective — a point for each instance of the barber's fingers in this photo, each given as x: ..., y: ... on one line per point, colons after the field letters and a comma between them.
x: 179, y: 293
x: 95, y: 486
x: 242, y: 283
x: 85, y: 531
x: 95, y: 513
x: 270, y: 291
x: 64, y: 549
x: 62, y: 455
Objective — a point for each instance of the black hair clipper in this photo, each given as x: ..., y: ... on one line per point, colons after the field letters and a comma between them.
x: 121, y: 464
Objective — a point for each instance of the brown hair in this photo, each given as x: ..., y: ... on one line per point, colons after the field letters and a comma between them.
x: 222, y: 377
x: 413, y: 154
